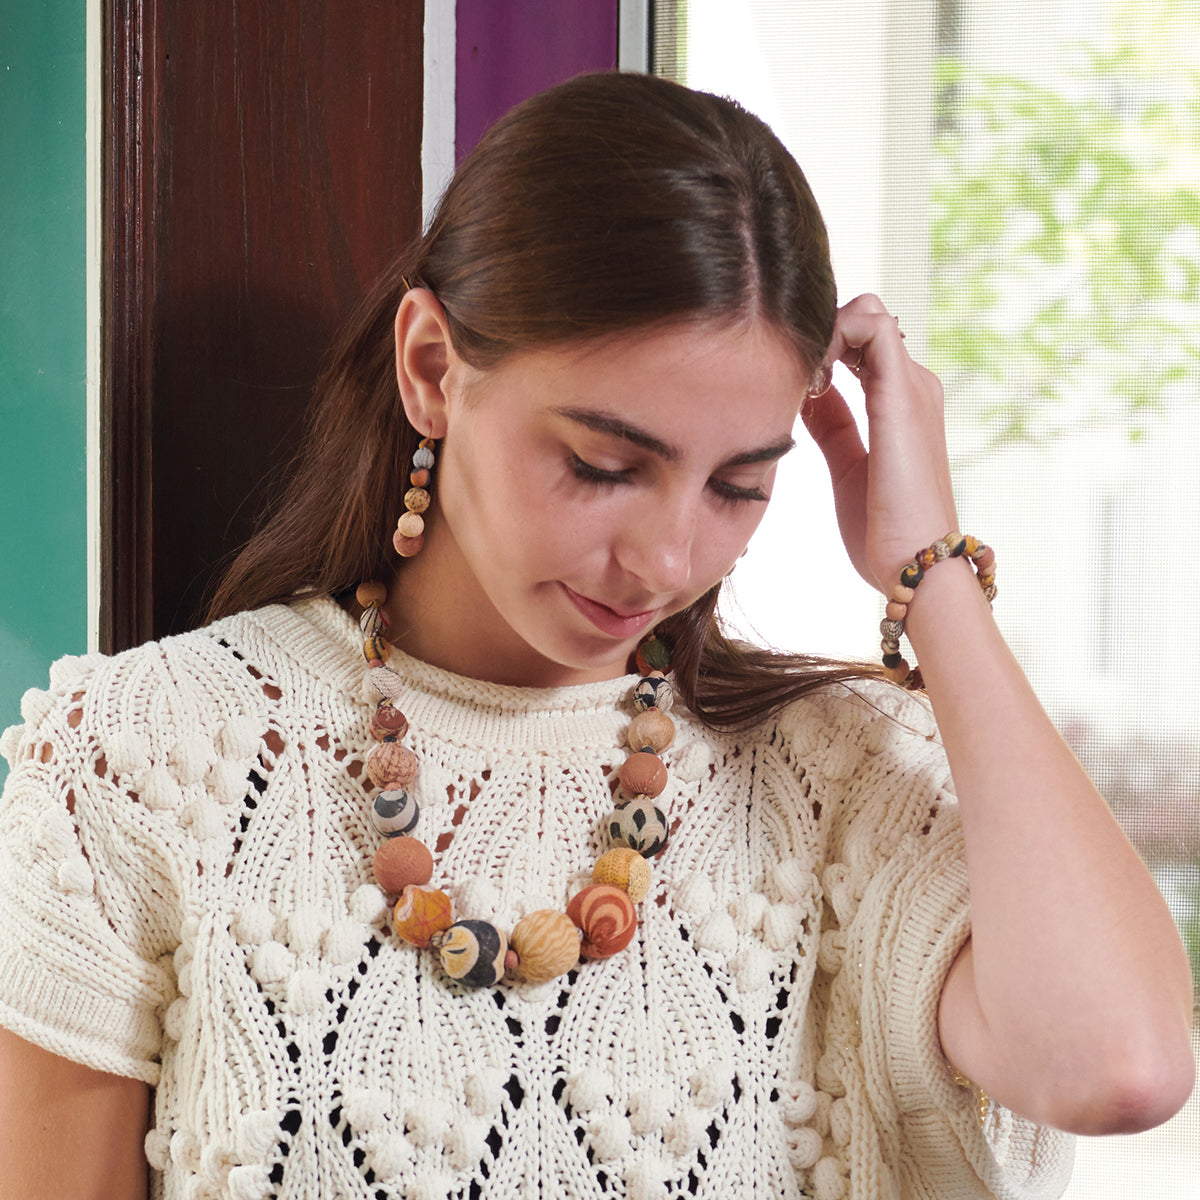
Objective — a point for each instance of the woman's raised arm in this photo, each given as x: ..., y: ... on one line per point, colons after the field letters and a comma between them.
x: 1071, y: 1002
x: 67, y: 1130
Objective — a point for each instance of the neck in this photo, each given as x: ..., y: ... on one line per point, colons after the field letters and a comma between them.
x: 438, y: 613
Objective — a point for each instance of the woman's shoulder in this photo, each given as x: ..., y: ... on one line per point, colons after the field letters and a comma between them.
x: 870, y: 713
x: 214, y: 684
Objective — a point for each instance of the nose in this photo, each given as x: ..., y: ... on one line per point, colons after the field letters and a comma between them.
x: 657, y: 545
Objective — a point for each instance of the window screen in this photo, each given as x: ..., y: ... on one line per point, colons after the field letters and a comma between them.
x: 1018, y: 182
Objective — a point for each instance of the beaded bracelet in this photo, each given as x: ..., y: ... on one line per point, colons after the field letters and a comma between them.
x: 953, y: 545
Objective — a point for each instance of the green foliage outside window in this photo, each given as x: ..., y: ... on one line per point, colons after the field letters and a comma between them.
x: 1066, y: 247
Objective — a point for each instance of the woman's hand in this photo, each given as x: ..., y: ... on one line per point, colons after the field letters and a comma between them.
x: 897, y: 498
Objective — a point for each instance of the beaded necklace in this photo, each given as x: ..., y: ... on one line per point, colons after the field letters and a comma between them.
x: 600, y: 920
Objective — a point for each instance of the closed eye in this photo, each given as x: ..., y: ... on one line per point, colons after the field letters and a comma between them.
x: 588, y: 473
x: 733, y: 494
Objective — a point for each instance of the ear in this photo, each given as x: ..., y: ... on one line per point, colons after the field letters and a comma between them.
x: 423, y: 356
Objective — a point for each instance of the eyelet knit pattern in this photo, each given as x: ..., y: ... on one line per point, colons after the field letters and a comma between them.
x: 186, y: 898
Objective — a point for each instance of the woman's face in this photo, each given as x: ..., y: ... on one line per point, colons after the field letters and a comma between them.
x: 583, y: 494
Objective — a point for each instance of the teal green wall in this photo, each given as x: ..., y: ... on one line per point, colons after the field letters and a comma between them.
x: 43, y: 532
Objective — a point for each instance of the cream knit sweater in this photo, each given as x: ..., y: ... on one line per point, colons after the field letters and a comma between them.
x: 186, y: 898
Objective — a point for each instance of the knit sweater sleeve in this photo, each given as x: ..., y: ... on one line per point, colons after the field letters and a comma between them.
x: 897, y: 910
x: 95, y: 857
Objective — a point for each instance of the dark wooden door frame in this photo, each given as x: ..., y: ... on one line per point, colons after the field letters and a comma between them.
x: 261, y: 163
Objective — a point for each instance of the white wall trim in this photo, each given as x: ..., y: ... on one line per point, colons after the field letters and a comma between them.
x: 93, y: 208
x: 437, y: 131
x: 633, y: 35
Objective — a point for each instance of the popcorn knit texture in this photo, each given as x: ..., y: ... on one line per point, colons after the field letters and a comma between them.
x: 186, y: 898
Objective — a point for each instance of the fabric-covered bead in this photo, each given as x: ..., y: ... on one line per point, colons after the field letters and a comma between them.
x: 372, y: 622
x: 401, y: 861
x: 394, y: 813
x: 416, y: 500
x: 388, y: 721
x: 653, y: 691
x: 376, y: 648
x: 891, y: 630
x: 472, y: 952
x: 653, y: 655
x: 911, y: 574
x: 546, y: 944
x: 370, y: 593
x: 895, y: 611
x: 410, y: 525
x: 419, y: 478
x: 625, y: 868
x: 407, y: 547
x: 391, y: 765
x: 651, y: 730
x: 641, y: 825
x: 420, y: 915
x: 643, y: 774
x: 607, y: 918
x: 903, y: 595
x: 423, y: 458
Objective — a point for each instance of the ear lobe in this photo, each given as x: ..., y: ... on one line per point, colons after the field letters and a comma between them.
x: 423, y: 354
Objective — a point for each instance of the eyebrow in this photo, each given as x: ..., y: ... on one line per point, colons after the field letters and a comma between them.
x: 602, y: 422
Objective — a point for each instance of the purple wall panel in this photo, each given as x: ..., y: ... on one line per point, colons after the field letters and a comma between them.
x: 509, y: 49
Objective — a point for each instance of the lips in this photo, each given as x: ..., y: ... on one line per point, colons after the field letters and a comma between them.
x: 616, y: 622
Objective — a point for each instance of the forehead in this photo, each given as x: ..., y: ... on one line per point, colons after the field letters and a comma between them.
x: 747, y: 371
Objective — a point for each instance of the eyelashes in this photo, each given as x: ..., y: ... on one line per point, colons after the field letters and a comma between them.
x: 599, y: 477
x: 587, y: 473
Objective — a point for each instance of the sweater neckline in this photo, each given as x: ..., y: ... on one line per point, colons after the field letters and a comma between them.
x: 325, y: 639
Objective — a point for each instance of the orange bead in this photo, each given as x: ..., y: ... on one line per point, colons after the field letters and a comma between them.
x: 376, y: 649
x: 651, y: 730
x: 391, y: 765
x: 420, y: 914
x: 547, y: 945
x: 607, y: 917
x: 370, y: 593
x: 626, y: 869
x: 401, y: 861
x: 419, y: 478
x: 388, y: 721
x: 643, y: 774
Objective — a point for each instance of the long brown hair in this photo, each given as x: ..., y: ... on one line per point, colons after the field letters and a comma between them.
x: 608, y: 204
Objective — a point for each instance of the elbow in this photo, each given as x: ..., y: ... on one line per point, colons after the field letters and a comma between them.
x: 1134, y: 1093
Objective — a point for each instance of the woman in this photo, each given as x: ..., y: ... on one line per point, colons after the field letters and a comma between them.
x: 397, y: 937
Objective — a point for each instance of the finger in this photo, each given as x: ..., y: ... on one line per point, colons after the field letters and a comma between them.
x: 868, y: 339
x: 828, y: 419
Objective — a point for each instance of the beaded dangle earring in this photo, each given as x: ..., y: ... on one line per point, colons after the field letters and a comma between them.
x: 410, y: 529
